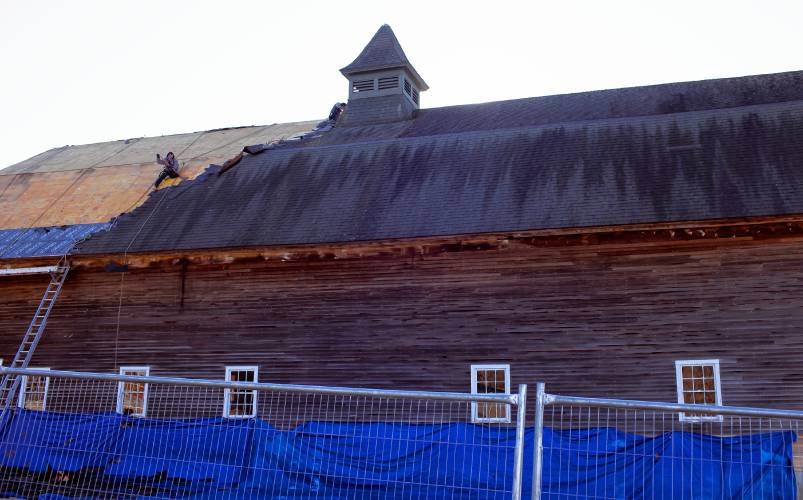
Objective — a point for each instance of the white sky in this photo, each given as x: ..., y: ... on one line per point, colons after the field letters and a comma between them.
x: 77, y: 72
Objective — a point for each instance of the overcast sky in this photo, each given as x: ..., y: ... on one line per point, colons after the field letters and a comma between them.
x: 90, y: 71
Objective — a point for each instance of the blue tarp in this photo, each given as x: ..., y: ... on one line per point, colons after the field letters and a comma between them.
x: 44, y: 241
x: 614, y: 464
x: 248, y: 458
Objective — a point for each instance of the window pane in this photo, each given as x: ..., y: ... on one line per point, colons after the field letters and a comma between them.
x: 242, y: 376
x: 491, y: 410
x: 491, y: 381
x: 35, y: 393
x: 698, y: 386
x: 133, y: 401
x: 241, y: 402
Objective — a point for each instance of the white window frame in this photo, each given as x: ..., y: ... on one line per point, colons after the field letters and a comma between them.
x: 24, y: 387
x: 227, y: 392
x: 679, y: 364
x: 125, y: 370
x: 474, y: 407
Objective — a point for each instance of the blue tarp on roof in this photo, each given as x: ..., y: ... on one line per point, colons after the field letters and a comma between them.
x: 44, y: 241
x: 248, y: 458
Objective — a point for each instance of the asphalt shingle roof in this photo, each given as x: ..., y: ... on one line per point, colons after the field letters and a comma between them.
x: 678, y: 152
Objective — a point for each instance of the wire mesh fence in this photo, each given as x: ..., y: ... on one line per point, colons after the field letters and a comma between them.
x: 107, y: 436
x: 600, y: 448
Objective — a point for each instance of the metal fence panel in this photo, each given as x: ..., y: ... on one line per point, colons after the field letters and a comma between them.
x: 276, y: 442
x: 605, y: 448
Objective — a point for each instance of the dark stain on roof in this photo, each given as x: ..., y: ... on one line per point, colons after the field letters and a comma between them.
x: 728, y: 148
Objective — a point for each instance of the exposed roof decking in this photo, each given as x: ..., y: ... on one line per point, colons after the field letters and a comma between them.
x: 93, y: 183
x: 212, y: 144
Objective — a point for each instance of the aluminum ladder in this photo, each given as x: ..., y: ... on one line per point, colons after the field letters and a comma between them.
x: 11, y: 382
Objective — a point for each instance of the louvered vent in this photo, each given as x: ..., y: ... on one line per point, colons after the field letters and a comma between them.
x: 362, y: 86
x: 415, y: 95
x: 389, y: 82
x: 407, y: 87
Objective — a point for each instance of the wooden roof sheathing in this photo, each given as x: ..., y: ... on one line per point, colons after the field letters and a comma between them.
x: 93, y: 183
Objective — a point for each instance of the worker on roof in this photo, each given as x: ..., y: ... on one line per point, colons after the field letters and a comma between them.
x: 170, y: 169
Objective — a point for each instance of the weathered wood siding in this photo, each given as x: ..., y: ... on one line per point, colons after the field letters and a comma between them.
x: 599, y: 320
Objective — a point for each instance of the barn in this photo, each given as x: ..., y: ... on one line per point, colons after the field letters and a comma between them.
x: 639, y: 243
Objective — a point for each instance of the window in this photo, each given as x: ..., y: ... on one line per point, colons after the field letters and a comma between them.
x: 490, y: 379
x: 240, y: 403
x: 132, y: 397
x: 33, y: 392
x: 698, y: 384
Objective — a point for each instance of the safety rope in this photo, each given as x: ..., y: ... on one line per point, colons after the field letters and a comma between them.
x: 123, y: 273
x: 13, y: 178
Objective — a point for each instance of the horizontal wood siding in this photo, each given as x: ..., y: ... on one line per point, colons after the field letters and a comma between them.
x: 598, y: 320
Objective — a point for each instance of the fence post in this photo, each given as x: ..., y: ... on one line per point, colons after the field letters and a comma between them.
x: 518, y: 460
x: 538, y: 448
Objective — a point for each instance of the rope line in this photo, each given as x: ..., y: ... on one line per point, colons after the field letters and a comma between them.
x: 142, y: 226
x: 132, y: 206
x: 13, y: 178
x: 123, y: 273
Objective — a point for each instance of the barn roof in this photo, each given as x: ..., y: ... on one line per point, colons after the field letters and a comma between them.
x: 56, y: 198
x: 677, y: 152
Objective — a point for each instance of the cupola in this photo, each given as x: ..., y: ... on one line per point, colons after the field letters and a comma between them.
x: 383, y: 85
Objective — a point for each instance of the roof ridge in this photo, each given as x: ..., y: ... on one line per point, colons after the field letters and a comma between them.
x: 631, y: 87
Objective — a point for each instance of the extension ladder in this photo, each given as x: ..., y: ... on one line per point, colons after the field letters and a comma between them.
x: 11, y: 382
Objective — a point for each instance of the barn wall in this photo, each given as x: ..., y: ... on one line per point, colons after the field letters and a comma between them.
x: 604, y: 320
